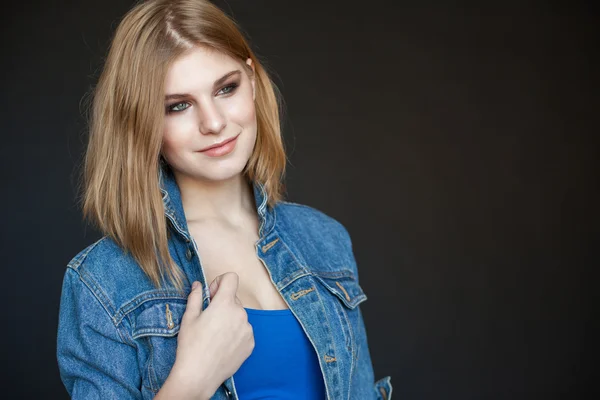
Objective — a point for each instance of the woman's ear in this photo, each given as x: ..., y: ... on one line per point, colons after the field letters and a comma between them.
x: 252, y: 80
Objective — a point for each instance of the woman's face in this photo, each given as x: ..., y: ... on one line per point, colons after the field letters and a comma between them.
x: 209, y: 99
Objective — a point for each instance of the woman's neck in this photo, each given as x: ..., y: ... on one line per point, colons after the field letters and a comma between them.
x: 230, y: 201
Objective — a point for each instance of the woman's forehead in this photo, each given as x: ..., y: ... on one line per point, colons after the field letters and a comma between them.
x: 200, y: 68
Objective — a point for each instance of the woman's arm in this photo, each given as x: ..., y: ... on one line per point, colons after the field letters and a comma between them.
x: 363, y: 385
x: 175, y: 387
x: 95, y: 359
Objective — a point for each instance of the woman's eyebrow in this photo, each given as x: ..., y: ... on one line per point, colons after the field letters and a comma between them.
x: 222, y: 79
x: 218, y: 82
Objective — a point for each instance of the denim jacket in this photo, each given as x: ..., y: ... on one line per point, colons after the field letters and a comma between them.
x: 117, y: 334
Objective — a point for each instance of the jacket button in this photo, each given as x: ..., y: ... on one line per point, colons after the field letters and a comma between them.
x: 188, y: 254
x: 227, y: 392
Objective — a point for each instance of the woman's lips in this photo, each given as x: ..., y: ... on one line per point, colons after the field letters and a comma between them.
x: 221, y: 150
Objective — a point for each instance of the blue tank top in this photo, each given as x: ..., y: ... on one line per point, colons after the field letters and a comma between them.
x: 283, y: 364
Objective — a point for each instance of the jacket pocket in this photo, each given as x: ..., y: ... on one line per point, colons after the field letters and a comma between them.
x: 343, y: 285
x: 155, y: 328
x: 341, y: 296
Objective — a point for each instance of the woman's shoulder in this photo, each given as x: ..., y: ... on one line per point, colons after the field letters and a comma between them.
x: 102, y: 249
x: 103, y: 258
x: 317, y: 238
x: 109, y: 272
x: 305, y: 217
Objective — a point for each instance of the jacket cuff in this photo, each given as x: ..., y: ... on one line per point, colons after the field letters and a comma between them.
x: 383, y: 387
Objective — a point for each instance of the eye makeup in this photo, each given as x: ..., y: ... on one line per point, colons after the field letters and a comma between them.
x: 176, y: 107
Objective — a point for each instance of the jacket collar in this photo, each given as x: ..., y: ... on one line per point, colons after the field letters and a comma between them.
x: 173, y: 205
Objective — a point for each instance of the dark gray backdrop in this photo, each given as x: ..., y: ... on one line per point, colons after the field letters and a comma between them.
x: 453, y: 141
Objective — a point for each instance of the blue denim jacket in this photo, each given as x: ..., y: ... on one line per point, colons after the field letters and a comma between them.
x: 117, y: 334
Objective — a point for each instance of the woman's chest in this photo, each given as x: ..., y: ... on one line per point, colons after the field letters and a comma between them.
x: 222, y: 250
x: 323, y: 299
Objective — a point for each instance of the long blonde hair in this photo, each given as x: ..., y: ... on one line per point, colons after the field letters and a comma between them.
x: 121, y: 194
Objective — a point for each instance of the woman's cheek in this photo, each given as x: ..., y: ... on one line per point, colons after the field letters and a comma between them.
x: 175, y: 139
x: 242, y: 110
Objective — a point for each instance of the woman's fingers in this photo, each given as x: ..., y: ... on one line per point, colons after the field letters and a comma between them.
x: 194, y: 301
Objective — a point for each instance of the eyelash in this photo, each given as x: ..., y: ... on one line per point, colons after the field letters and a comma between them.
x: 170, y: 110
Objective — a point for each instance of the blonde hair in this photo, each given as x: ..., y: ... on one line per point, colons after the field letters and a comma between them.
x: 121, y: 194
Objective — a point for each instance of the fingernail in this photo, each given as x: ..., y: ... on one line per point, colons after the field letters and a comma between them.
x: 195, y: 284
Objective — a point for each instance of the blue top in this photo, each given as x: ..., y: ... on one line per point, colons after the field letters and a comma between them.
x: 283, y: 364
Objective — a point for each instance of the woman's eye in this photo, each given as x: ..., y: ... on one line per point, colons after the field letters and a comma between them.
x: 229, y: 88
x: 177, y: 107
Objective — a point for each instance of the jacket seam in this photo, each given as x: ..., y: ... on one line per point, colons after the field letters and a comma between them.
x: 329, y: 331
x: 98, y: 293
x: 291, y: 279
x: 76, y: 262
x: 125, y: 340
x: 353, y: 345
x: 139, y: 300
x: 151, y: 373
x: 340, y: 273
x: 303, y: 268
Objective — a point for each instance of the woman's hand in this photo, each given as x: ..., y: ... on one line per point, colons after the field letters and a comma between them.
x: 212, y: 344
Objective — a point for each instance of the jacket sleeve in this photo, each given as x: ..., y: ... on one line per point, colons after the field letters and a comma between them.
x: 364, y: 385
x: 95, y: 360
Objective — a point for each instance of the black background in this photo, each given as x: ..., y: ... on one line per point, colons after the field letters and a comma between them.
x: 454, y: 141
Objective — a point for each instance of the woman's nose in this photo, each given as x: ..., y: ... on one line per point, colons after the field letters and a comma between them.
x: 211, y: 118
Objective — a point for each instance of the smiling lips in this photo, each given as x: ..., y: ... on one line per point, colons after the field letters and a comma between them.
x: 220, y: 149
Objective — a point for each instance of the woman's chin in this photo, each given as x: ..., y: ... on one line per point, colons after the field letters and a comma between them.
x: 218, y: 175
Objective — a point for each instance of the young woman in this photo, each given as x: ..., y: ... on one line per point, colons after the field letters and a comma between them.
x: 206, y: 283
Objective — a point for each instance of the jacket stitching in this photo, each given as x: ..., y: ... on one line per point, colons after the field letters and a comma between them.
x: 291, y: 278
x: 139, y: 300
x: 102, y: 299
x: 342, y: 317
x: 353, y: 345
x: 349, y: 325
x: 87, y: 280
x: 128, y: 336
x: 341, y: 273
x: 117, y: 328
x: 343, y: 290
x: 304, y: 271
x: 151, y: 372
x: 353, y: 302
x: 78, y: 260
x: 330, y: 334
